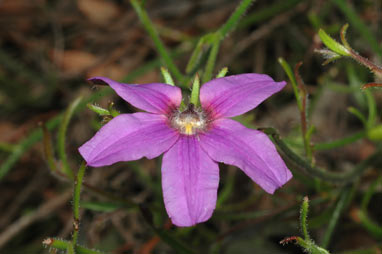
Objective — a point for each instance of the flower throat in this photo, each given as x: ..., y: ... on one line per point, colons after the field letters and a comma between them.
x: 190, y: 121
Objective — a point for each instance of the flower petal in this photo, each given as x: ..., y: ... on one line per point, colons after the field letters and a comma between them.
x: 129, y: 137
x: 155, y: 98
x: 230, y: 142
x: 190, y: 181
x: 237, y: 94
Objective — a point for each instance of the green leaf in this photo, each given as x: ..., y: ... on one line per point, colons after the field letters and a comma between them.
x: 199, y: 54
x: 167, y: 76
x: 112, y: 111
x: 222, y: 72
x: 288, y: 70
x: 195, y: 91
x: 332, y: 44
x: 342, y: 202
x: 358, y: 114
x: 340, y: 142
x: 100, y: 111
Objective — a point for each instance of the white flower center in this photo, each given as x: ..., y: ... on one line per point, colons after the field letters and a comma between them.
x: 190, y: 121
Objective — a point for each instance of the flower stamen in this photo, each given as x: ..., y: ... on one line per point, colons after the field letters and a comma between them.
x: 190, y: 121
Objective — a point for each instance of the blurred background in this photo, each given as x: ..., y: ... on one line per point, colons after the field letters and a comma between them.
x: 50, y: 47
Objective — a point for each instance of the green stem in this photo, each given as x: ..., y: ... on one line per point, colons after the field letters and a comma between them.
x: 369, y: 193
x: 60, y: 244
x: 369, y: 224
x: 335, y: 177
x: 198, y: 54
x: 82, y: 250
x: 62, y: 136
x: 372, y: 227
x: 258, y: 16
x: 304, y: 113
x: 207, y: 75
x: 100, y: 111
x: 70, y: 249
x: 366, y: 62
x: 341, y: 204
x: 288, y: 70
x: 142, y: 14
x: 359, y: 115
x: 76, y: 201
x: 372, y: 108
x: 340, y: 142
x: 235, y: 17
x: 96, y: 191
x: 219, y: 36
x: 304, y: 244
x: 303, y: 217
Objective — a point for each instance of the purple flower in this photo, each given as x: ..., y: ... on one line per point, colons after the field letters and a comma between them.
x: 193, y: 140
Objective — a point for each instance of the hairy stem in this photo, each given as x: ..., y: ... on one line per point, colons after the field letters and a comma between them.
x: 334, y: 177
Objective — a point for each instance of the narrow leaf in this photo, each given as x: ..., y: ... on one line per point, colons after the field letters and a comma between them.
x: 167, y: 76
x: 332, y: 44
x: 195, y: 91
x: 100, y: 111
x: 222, y: 72
x: 289, y: 73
